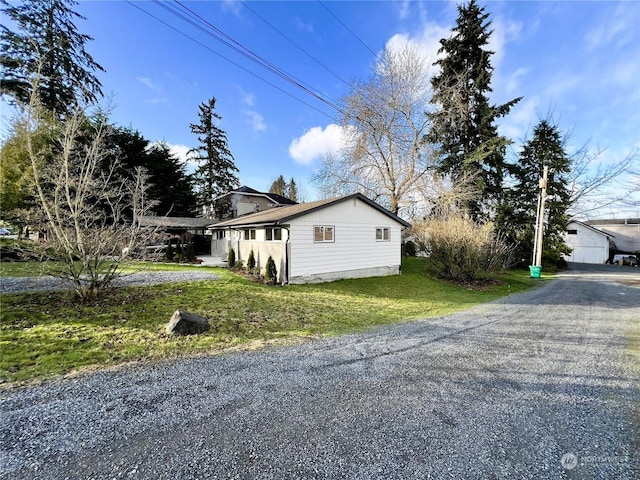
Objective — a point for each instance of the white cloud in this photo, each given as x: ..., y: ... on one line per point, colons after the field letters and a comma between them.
x: 233, y: 6
x: 180, y: 151
x: 427, y: 42
x: 247, y: 98
x: 303, y: 26
x: 256, y: 120
x: 156, y: 89
x: 316, y: 142
x: 618, y: 28
x: 504, y: 31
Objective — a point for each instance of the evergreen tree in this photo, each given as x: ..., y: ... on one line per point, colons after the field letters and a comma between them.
x: 47, y: 44
x: 292, y: 190
x: 464, y: 123
x: 216, y: 171
x: 169, y: 185
x: 517, y: 214
x: 279, y: 186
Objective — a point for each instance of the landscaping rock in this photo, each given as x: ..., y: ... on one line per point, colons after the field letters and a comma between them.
x: 185, y: 323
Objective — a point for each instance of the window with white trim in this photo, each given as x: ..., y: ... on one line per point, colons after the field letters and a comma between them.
x: 250, y: 234
x: 383, y: 234
x: 273, y: 234
x: 323, y: 233
x: 219, y: 234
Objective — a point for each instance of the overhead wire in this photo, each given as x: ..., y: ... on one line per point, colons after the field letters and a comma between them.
x: 246, y: 5
x: 229, y: 60
x: 347, y: 28
x: 208, y: 28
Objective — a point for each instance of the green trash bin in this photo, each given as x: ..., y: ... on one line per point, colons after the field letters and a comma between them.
x: 535, y: 270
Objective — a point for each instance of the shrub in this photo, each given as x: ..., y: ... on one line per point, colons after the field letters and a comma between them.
x: 191, y: 253
x: 251, y: 262
x: 270, y: 273
x: 169, y: 253
x: 460, y: 249
x: 231, y: 258
x: 409, y: 248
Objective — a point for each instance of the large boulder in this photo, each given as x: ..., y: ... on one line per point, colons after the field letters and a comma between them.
x: 185, y: 323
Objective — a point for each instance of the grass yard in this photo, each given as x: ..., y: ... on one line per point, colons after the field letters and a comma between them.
x: 48, y: 334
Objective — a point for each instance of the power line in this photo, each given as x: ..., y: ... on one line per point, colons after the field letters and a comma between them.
x: 206, y: 27
x: 229, y: 60
x: 246, y: 5
x: 347, y: 28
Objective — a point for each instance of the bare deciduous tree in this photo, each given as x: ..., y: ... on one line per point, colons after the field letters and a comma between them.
x: 90, y: 215
x: 596, y: 183
x: 384, y: 123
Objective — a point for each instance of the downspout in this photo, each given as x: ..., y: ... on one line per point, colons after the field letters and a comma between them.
x: 287, y: 249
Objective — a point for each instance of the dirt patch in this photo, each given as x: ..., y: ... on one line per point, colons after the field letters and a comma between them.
x: 631, y: 282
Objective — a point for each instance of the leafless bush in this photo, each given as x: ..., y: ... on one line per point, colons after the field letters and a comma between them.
x: 90, y: 214
x: 460, y: 249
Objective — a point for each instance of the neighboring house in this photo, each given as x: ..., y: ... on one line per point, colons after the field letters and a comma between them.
x: 346, y: 237
x: 588, y: 244
x: 186, y: 229
x: 246, y: 200
x: 626, y: 232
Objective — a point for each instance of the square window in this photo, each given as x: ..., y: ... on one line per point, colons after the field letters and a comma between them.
x: 250, y: 234
x: 323, y: 233
x: 383, y: 234
x: 273, y: 234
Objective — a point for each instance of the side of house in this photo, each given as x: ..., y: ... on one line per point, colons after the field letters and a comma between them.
x: 345, y: 240
x: 588, y: 244
x: 625, y: 231
x: 346, y: 237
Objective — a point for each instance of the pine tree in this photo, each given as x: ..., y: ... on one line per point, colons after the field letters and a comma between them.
x: 517, y: 214
x: 47, y: 44
x: 464, y: 122
x: 216, y: 171
x: 279, y: 187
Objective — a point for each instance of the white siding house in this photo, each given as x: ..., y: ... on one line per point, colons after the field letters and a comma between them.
x: 588, y: 244
x: 346, y: 237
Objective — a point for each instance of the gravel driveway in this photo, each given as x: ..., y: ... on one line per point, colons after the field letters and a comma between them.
x: 537, y: 385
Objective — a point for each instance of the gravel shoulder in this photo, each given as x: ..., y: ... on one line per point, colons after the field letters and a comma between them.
x: 536, y: 385
x: 45, y: 283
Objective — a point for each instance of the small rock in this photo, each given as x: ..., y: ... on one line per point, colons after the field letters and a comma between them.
x: 185, y: 323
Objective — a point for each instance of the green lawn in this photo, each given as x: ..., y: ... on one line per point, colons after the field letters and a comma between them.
x: 43, y: 335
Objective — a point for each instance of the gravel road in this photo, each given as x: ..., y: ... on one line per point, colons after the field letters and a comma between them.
x: 537, y: 385
x: 45, y: 283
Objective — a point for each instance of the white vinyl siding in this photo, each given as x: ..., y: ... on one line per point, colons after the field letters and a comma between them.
x: 355, y: 246
x: 588, y: 246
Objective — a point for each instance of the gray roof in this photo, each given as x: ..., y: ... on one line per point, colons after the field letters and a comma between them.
x: 281, y: 215
x: 614, y: 221
x: 175, y: 222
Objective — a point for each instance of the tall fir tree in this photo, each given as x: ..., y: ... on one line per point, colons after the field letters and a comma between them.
x: 215, y: 174
x: 47, y: 44
x: 517, y: 214
x: 464, y: 128
x: 292, y: 190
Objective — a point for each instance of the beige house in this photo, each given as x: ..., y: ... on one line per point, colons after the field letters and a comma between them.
x: 345, y: 237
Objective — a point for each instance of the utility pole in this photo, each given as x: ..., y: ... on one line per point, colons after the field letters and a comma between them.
x: 540, y: 218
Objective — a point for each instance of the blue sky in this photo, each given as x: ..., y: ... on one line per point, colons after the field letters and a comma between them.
x: 578, y: 60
